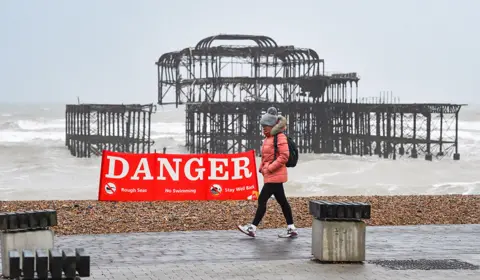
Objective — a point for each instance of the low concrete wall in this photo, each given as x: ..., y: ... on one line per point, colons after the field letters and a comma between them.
x: 31, y: 240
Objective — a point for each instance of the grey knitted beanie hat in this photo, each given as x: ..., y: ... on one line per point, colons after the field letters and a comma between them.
x: 270, y: 118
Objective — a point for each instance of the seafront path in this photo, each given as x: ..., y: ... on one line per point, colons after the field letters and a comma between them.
x: 393, y: 252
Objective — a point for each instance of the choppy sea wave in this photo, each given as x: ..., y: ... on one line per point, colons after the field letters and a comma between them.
x: 34, y: 164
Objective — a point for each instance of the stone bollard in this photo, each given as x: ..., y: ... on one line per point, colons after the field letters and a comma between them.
x: 338, y: 232
x: 59, y: 264
x: 25, y: 231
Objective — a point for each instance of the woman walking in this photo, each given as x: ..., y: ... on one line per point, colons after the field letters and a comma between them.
x: 274, y: 172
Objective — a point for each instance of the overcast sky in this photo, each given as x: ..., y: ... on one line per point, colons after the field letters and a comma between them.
x: 104, y: 50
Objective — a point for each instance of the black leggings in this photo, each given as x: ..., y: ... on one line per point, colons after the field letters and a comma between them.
x: 277, y: 190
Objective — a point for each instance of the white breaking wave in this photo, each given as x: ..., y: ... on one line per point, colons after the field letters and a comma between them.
x: 468, y: 126
x: 161, y: 129
x: 27, y: 130
x: 34, y: 164
x: 47, y: 125
x: 19, y: 136
x: 24, y: 131
x: 28, y: 125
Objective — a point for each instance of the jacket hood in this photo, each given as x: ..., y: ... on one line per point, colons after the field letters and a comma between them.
x: 280, y: 126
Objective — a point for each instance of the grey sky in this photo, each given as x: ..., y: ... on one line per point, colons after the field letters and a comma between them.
x: 104, y: 50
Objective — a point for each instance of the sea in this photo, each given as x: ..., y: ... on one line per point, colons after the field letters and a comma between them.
x: 36, y: 165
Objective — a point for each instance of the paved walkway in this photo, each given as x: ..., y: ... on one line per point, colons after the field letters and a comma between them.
x: 450, y: 252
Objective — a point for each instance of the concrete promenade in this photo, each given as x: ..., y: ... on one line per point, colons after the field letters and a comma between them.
x: 403, y: 252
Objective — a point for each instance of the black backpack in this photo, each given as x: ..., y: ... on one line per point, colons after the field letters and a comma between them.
x: 292, y: 148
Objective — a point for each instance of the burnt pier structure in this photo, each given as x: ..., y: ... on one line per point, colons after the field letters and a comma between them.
x: 92, y: 128
x: 226, y: 88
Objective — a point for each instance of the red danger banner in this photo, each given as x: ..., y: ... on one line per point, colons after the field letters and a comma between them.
x: 149, y: 177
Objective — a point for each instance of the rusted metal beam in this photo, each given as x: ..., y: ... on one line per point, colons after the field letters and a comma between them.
x: 92, y: 128
x: 227, y: 87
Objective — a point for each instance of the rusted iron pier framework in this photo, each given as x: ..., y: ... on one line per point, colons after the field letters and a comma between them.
x: 92, y: 128
x: 226, y: 88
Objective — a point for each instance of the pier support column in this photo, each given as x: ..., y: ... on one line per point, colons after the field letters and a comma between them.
x: 414, y: 153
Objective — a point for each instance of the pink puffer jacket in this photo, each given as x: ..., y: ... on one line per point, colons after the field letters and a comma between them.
x: 275, y: 171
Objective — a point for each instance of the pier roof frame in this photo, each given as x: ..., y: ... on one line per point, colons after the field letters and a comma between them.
x: 265, y: 52
x: 266, y: 46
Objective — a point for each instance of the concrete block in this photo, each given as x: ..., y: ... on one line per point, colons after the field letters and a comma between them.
x: 338, y: 241
x: 14, y: 264
x: 29, y: 240
x: 41, y: 266
x: 55, y: 264
x: 69, y: 259
x: 28, y: 264
x: 83, y: 262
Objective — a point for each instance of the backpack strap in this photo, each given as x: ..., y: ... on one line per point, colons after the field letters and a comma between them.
x: 275, y: 148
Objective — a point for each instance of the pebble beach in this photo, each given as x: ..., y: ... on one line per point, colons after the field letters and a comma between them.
x: 97, y: 217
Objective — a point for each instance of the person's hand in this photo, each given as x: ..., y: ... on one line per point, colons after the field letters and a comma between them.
x: 265, y: 170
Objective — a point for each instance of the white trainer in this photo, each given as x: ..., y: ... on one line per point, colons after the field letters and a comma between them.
x: 248, y: 230
x: 291, y: 232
